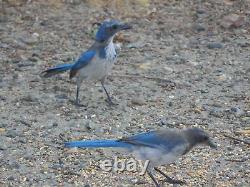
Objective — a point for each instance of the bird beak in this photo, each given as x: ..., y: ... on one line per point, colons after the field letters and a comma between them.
x: 211, y: 144
x: 125, y: 26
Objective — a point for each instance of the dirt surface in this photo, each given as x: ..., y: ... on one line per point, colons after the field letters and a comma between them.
x: 180, y: 66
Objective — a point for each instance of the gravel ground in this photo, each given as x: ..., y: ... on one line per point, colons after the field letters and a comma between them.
x: 182, y: 65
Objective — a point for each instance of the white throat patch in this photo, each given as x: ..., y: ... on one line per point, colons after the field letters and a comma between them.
x: 110, y: 51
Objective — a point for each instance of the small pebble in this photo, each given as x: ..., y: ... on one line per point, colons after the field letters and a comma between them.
x: 199, y: 28
x: 138, y: 101
x: 11, y: 178
x: 200, y: 11
x: 11, y: 134
x: 216, y: 112
x: 214, y: 46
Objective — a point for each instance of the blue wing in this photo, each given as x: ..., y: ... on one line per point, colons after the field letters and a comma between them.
x: 166, y: 139
x: 84, y: 59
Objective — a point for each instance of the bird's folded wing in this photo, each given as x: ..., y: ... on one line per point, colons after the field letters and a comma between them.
x: 84, y: 59
x: 156, y: 139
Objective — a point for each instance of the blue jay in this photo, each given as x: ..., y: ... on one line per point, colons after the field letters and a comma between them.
x: 96, y: 63
x: 159, y: 147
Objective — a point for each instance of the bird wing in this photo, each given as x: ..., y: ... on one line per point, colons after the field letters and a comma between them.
x: 83, y: 60
x: 166, y: 140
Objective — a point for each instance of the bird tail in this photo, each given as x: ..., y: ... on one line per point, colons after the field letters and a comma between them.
x: 96, y: 144
x: 56, y: 70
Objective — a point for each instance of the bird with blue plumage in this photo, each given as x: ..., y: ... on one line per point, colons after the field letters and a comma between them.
x: 96, y: 63
x: 160, y: 147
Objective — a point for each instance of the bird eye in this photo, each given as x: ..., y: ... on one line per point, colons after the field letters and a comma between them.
x: 114, y: 27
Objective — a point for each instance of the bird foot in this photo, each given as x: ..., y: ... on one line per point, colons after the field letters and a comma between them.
x: 110, y: 102
x: 80, y: 105
x: 77, y: 104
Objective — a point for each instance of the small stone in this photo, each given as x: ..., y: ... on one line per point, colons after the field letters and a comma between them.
x: 11, y: 178
x: 234, y: 109
x: 232, y: 21
x: 214, y: 45
x: 216, y: 112
x: 30, y: 40
x: 3, y: 147
x: 199, y: 28
x: 25, y: 64
x: 2, y: 130
x: 200, y: 11
x: 30, y: 98
x: 55, y: 124
x: 33, y: 59
x: 22, y: 140
x: 237, y: 111
x: 56, y: 166
x: 11, y: 134
x: 138, y: 101
x: 14, y: 165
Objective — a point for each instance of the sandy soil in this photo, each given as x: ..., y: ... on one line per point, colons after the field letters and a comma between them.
x: 178, y: 67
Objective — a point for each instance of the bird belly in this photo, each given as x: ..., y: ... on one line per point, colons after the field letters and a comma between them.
x: 97, y: 70
x: 158, y: 156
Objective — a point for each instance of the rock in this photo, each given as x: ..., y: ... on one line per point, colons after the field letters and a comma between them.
x: 33, y: 59
x: 30, y: 40
x: 14, y: 165
x: 138, y: 101
x: 3, y: 147
x: 25, y: 64
x: 200, y: 11
x: 198, y: 28
x: 11, y: 134
x: 2, y: 129
x: 11, y: 178
x: 56, y: 166
x: 214, y: 45
x: 232, y: 21
x: 22, y: 140
x: 216, y: 112
x: 193, y: 43
x: 237, y: 111
x: 55, y: 124
x: 30, y: 98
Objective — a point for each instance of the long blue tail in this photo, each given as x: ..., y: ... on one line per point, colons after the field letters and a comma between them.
x: 56, y: 70
x: 96, y: 144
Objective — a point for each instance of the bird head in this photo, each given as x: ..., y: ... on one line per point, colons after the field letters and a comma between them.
x: 199, y: 136
x: 108, y: 29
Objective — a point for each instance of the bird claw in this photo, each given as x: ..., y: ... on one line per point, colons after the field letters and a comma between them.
x: 78, y: 104
x: 110, y: 102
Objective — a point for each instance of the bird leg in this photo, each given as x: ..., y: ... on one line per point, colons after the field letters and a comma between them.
x: 109, y: 98
x: 77, y: 95
x: 77, y: 101
x: 168, y: 179
x: 152, y: 177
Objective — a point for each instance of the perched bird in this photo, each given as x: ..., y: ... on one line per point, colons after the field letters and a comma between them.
x: 159, y: 147
x: 96, y: 63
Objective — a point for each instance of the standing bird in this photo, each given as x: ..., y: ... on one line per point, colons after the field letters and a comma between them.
x: 159, y: 147
x: 96, y: 63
